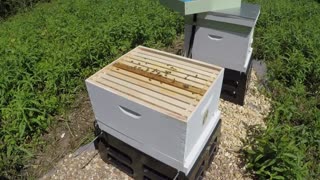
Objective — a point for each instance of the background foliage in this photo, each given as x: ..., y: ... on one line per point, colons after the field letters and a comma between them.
x: 288, y: 39
x: 10, y: 7
x: 46, y: 53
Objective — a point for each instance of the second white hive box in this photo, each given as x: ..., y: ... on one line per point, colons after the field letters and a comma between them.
x: 223, y: 38
x: 162, y: 104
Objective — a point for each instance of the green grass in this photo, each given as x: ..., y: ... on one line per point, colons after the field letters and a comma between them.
x: 46, y: 53
x: 288, y: 39
x: 11, y: 7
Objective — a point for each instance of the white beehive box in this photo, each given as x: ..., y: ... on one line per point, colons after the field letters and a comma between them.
x: 224, y: 38
x: 162, y: 104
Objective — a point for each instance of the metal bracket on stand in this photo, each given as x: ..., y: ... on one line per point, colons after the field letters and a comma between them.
x: 193, y: 32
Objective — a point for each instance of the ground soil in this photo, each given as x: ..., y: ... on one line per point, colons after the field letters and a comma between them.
x: 227, y: 164
x: 70, y: 130
x: 58, y: 159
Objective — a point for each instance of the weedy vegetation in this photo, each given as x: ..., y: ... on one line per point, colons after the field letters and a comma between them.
x: 46, y: 53
x: 11, y: 7
x: 288, y: 39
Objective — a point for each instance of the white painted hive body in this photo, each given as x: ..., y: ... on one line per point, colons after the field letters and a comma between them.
x: 225, y: 37
x: 161, y: 104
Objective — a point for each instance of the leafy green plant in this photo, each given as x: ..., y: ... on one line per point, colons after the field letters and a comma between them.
x: 276, y: 153
x: 10, y: 7
x: 46, y: 54
x: 287, y: 38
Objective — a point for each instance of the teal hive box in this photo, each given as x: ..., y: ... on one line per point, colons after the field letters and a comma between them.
x: 187, y: 7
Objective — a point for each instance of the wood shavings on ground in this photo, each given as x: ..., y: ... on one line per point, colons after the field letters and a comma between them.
x: 226, y: 165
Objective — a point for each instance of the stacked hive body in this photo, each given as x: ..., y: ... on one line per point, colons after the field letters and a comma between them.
x: 224, y: 38
x: 164, y: 105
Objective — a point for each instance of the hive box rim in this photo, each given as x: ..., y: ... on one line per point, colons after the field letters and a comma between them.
x: 181, y: 58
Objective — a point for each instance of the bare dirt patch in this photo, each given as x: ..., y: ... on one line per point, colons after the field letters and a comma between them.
x: 72, y: 129
x: 58, y: 159
x: 227, y: 163
x: 69, y: 131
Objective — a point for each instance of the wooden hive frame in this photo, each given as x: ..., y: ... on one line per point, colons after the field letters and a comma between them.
x: 167, y: 83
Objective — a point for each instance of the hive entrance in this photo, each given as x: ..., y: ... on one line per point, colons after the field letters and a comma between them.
x: 167, y: 83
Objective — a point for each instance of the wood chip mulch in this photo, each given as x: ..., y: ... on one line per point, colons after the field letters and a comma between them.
x: 226, y: 165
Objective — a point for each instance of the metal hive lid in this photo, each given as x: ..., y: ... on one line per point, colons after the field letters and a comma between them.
x: 246, y: 16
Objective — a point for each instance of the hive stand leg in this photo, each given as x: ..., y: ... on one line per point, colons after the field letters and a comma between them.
x: 235, y: 85
x: 97, y: 133
x: 132, y: 161
x: 193, y: 33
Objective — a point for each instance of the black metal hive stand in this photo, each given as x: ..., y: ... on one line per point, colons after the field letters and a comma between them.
x: 139, y: 165
x: 235, y: 85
